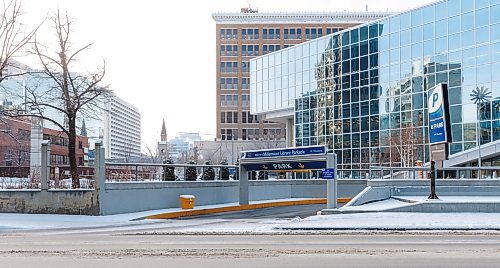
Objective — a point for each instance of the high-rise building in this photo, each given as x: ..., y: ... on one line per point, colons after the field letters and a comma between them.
x: 242, y: 36
x: 122, y: 129
x: 362, y: 91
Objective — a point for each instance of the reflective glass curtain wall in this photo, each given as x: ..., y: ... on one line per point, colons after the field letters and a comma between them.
x: 362, y: 91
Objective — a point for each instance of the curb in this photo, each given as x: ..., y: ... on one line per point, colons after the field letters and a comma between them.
x: 206, y: 211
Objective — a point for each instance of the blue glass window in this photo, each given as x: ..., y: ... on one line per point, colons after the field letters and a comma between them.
x: 482, y: 35
x: 453, y: 7
x: 416, y: 17
x: 467, y: 5
x: 440, y: 10
x: 482, y: 17
x: 467, y: 21
x: 394, y: 21
x: 405, y: 37
x: 495, y: 14
x: 363, y: 33
x: 354, y: 36
x: 441, y: 28
x: 468, y: 38
x: 454, y: 25
x: 394, y: 40
x: 495, y: 32
x: 441, y: 44
x: 416, y: 34
x: 373, y: 30
x: 429, y: 31
x: 428, y: 14
x: 405, y: 20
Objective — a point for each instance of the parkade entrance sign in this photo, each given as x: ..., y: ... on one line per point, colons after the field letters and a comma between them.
x: 305, y: 151
x: 288, y: 159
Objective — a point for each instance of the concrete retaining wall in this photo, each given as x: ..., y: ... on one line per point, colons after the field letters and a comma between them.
x: 76, y: 202
x: 133, y: 197
x: 126, y: 197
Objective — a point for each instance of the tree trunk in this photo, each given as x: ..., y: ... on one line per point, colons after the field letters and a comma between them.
x: 75, y: 181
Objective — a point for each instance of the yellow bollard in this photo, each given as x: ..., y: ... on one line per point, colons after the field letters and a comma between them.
x: 187, y: 201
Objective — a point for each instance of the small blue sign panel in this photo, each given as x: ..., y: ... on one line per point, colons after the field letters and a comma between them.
x: 329, y: 173
x: 299, y: 151
x: 437, y: 117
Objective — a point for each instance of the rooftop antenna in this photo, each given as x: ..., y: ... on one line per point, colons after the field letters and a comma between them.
x: 366, y: 8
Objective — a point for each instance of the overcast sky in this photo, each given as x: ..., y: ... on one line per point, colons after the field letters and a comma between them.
x: 161, y: 54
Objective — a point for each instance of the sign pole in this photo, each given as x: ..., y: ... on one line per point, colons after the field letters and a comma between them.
x: 433, y: 194
x: 243, y: 183
x: 331, y: 184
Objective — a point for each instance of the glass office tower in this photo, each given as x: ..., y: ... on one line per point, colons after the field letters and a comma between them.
x: 362, y: 91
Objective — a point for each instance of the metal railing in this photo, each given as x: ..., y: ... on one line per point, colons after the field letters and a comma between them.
x: 484, y: 172
x: 116, y: 172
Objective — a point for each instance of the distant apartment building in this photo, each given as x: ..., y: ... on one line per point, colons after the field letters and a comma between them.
x: 243, y: 36
x: 116, y: 122
x: 122, y: 129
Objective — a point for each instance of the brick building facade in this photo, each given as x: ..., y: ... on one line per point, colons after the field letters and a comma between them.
x: 15, y: 137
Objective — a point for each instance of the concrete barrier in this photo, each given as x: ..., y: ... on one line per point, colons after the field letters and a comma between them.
x: 76, y: 202
x: 128, y: 197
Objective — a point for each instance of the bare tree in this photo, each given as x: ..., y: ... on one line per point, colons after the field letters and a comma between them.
x: 68, y: 93
x: 404, y: 145
x: 13, y: 35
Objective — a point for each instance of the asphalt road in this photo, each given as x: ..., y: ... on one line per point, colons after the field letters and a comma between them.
x: 127, y: 249
x: 301, y: 211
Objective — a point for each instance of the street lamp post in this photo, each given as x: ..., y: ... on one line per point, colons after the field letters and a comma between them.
x: 479, y: 96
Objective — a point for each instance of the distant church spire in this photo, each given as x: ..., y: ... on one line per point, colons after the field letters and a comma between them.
x: 84, y: 129
x: 163, y: 132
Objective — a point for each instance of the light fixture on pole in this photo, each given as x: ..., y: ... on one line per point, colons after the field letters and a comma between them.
x: 480, y: 96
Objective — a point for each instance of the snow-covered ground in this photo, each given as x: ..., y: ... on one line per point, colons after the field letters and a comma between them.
x: 399, y: 221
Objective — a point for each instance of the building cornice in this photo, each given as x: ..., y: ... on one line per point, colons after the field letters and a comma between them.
x: 316, y: 17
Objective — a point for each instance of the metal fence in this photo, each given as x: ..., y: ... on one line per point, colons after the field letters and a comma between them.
x: 116, y: 172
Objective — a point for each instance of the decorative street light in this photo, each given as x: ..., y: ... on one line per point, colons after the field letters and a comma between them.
x: 480, y: 96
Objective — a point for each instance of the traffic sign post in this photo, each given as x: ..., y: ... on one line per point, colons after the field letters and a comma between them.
x: 331, y: 183
x: 439, y: 130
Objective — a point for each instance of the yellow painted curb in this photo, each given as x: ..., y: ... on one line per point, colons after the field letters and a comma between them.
x: 196, y: 212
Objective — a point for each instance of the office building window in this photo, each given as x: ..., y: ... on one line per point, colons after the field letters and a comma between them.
x: 228, y: 34
x: 270, y: 48
x: 229, y: 100
x: 230, y: 83
x: 229, y: 67
x: 245, y: 83
x: 229, y: 134
x: 245, y: 67
x: 293, y: 33
x: 249, y: 50
x: 271, y: 34
x: 229, y: 50
x: 313, y: 33
x: 333, y: 30
x: 245, y: 100
x: 249, y: 34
